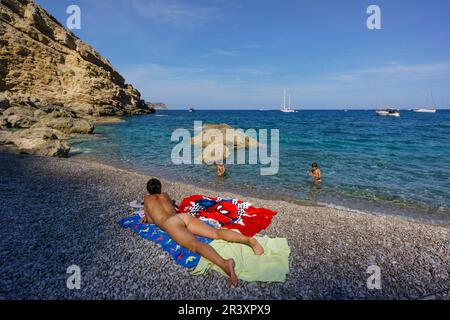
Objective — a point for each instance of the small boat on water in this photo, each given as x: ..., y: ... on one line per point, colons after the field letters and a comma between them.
x: 428, y: 109
x: 388, y: 113
x: 425, y: 110
x: 191, y: 110
x: 286, y: 108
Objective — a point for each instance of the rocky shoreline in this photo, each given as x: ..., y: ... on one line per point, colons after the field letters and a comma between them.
x: 59, y: 212
x: 52, y: 84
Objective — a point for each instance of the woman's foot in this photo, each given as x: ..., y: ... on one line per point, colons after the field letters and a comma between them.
x: 229, y: 269
x: 256, y: 246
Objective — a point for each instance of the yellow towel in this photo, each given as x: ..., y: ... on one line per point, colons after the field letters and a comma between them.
x: 270, y: 267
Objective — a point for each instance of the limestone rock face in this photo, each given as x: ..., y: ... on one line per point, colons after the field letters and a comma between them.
x: 4, y: 104
x: 43, y: 63
x: 52, y: 84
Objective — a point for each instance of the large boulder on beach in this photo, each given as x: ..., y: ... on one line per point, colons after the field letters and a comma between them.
x: 43, y: 61
x: 54, y: 117
x: 37, y: 141
x: 21, y: 117
x: 65, y: 125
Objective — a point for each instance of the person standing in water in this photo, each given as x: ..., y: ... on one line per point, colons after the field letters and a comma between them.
x: 315, y: 173
x: 221, y: 170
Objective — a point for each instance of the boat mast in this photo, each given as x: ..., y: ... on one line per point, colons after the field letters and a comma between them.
x: 284, y: 99
x: 432, y: 99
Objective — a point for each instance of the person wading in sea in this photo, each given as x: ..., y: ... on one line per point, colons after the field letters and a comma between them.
x: 315, y: 173
x: 221, y: 170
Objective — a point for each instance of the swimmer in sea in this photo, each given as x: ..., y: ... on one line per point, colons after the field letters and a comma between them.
x: 315, y: 173
x: 221, y: 170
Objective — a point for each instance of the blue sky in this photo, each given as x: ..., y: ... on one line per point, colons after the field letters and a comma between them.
x: 241, y: 54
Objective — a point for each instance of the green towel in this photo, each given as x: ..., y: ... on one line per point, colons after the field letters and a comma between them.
x: 270, y: 267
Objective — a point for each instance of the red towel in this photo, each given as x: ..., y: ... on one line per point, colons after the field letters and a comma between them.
x: 230, y: 214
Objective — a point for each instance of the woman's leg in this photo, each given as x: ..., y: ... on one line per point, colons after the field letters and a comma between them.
x: 201, y: 229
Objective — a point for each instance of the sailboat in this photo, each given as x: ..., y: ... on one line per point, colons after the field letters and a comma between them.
x: 427, y: 109
x: 284, y: 108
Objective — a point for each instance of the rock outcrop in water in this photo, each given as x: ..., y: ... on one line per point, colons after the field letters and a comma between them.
x: 218, y: 141
x: 51, y: 79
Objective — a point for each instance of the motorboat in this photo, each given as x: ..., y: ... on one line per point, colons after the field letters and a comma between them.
x: 388, y: 113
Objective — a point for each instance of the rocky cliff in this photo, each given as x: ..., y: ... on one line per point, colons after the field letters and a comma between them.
x: 49, y: 78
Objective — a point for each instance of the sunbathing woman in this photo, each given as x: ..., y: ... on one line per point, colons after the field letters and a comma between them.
x: 183, y: 228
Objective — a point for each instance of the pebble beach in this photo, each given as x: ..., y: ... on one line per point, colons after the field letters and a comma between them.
x: 61, y: 212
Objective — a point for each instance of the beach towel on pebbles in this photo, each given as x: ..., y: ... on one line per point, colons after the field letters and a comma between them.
x: 151, y: 232
x: 230, y: 214
x: 272, y: 266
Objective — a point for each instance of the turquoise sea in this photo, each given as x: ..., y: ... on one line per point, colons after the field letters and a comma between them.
x: 378, y: 164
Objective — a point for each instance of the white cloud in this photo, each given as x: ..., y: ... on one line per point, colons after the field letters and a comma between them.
x: 239, y: 51
x: 177, y: 11
x: 160, y: 72
x: 222, y: 52
x: 396, y: 72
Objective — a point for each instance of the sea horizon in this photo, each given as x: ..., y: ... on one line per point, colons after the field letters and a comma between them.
x: 295, y: 108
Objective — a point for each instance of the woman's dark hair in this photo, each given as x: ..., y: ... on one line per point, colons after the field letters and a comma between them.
x: 315, y: 165
x: 154, y: 186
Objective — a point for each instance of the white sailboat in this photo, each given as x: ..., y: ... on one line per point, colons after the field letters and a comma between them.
x: 284, y: 108
x: 428, y: 109
x: 425, y: 110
